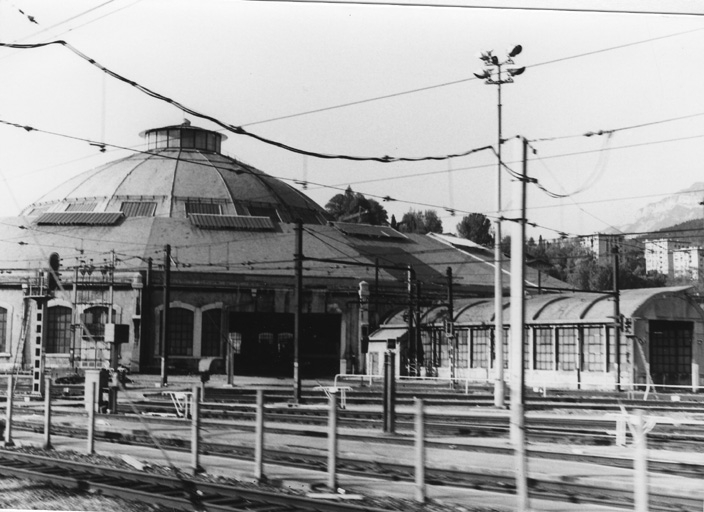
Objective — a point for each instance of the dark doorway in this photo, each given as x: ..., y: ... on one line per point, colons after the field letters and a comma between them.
x: 671, y: 352
x: 267, y: 344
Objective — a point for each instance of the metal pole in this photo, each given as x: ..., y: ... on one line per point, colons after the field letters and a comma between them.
x: 76, y: 333
x: 47, y: 413
x: 390, y: 391
x: 420, y: 451
x: 91, y: 418
x: 451, y: 341
x: 499, y: 389
x: 617, y: 320
x: 165, y: 317
x: 418, y: 349
x: 517, y: 342
x: 411, y: 331
x: 195, y: 431
x: 640, y: 464
x: 8, y: 411
x: 298, y: 257
x: 332, y: 442
x: 259, y: 437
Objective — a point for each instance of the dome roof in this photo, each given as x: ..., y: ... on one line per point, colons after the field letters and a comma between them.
x: 182, y: 172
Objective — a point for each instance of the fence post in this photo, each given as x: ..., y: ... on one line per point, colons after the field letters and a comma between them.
x: 332, y: 442
x: 420, y: 451
x: 8, y: 412
x: 195, y: 431
x: 640, y: 464
x: 259, y: 438
x: 90, y: 404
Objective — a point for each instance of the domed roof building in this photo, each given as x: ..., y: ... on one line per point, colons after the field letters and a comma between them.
x: 183, y: 225
x: 182, y: 172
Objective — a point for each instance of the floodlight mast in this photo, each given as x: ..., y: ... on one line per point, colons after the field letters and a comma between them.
x: 494, y: 74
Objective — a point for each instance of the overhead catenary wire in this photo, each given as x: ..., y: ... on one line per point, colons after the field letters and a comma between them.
x: 239, y: 130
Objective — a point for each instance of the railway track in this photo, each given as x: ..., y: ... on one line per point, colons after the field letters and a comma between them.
x: 172, y: 492
x: 182, y: 494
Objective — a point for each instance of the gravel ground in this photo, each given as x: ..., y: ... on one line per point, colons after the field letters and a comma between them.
x: 18, y: 494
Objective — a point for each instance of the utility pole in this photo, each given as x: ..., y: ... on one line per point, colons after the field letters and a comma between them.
x: 492, y: 74
x: 450, y: 328
x: 518, y: 342
x: 165, y: 317
x: 411, y: 330
x: 617, y: 319
x: 298, y: 299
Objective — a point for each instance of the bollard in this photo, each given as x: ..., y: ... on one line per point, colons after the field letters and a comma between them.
x: 195, y: 431
x: 259, y: 438
x: 640, y: 464
x: 47, y: 413
x: 8, y: 412
x: 332, y: 442
x: 420, y: 451
x: 90, y: 404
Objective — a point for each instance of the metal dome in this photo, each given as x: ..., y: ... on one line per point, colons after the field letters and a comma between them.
x: 182, y: 172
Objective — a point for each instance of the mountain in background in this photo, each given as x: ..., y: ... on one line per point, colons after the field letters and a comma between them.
x: 676, y: 209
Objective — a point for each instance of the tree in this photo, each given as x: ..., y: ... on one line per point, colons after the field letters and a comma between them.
x: 354, y: 207
x: 420, y: 222
x: 477, y: 228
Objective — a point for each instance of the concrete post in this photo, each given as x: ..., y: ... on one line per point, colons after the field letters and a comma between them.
x: 259, y: 438
x: 90, y: 405
x: 420, y: 451
x: 640, y: 464
x: 332, y: 442
x: 195, y: 431
x: 8, y: 411
x: 47, y: 413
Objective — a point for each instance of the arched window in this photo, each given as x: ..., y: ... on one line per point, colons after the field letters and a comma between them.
x: 94, y: 320
x: 181, y: 332
x: 3, y: 330
x: 210, y: 335
x: 58, y: 330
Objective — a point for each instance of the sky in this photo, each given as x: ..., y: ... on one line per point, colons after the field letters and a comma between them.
x: 368, y: 79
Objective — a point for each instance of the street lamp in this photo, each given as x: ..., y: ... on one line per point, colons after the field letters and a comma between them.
x: 494, y: 73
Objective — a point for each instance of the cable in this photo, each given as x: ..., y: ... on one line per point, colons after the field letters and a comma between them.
x: 236, y: 129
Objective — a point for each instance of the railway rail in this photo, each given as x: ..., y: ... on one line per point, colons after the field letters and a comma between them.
x: 176, y: 493
x: 181, y: 494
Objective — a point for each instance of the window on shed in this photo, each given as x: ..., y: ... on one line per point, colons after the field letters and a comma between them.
x: 481, y: 341
x: 593, y: 349
x: 462, y: 348
x: 544, y: 350
x: 3, y: 330
x: 612, y: 349
x: 207, y: 208
x: 567, y: 348
x: 58, y: 331
x: 210, y: 334
x: 181, y: 332
x: 507, y: 335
